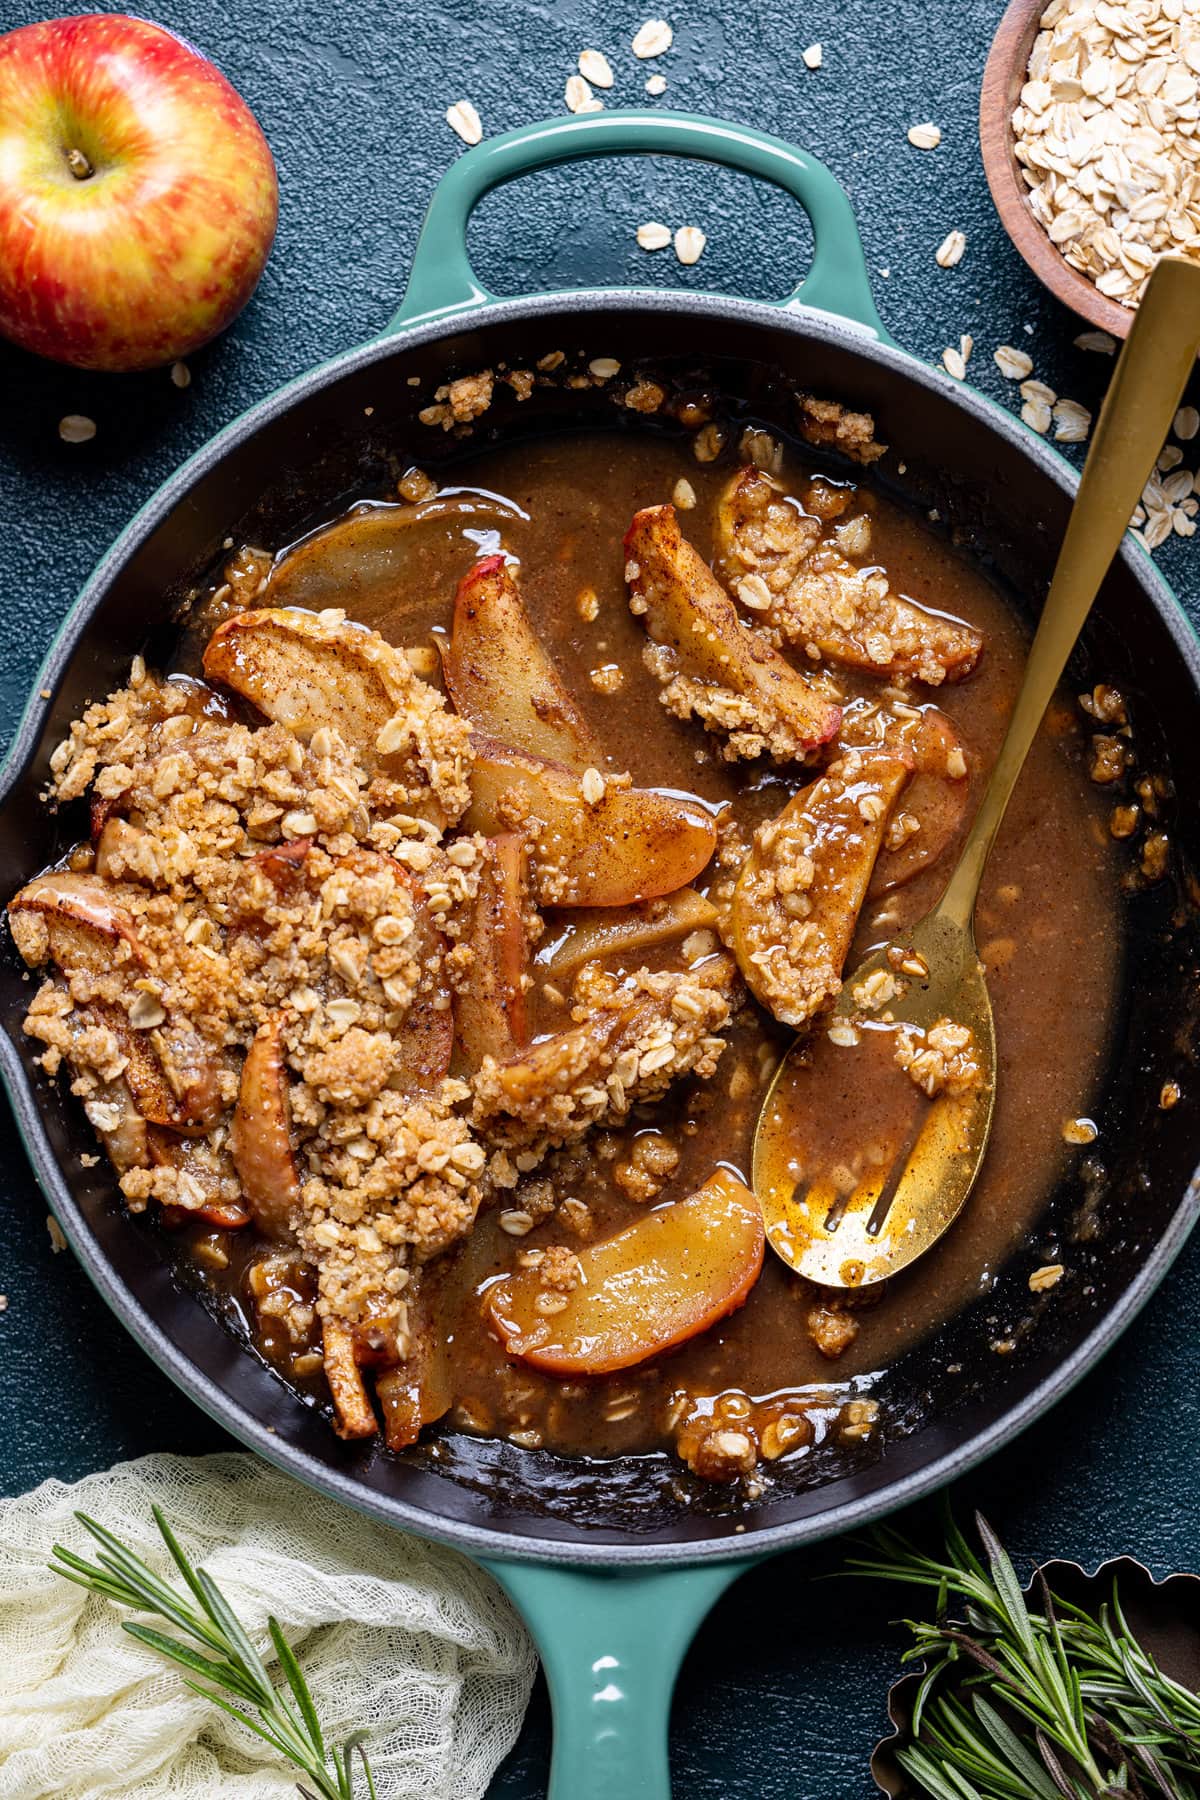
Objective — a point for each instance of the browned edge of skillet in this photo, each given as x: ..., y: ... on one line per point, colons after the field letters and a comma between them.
x: 1003, y: 78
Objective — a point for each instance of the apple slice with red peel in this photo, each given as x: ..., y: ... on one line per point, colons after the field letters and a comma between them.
x: 79, y: 923
x: 490, y: 1014
x: 729, y: 676
x: 306, y: 671
x: 85, y: 923
x: 354, y: 1416
x: 260, y: 1140
x: 502, y: 680
x: 629, y: 844
x: 800, y: 890
x: 667, y: 1277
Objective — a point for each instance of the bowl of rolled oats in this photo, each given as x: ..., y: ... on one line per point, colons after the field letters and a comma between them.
x: 1089, y: 125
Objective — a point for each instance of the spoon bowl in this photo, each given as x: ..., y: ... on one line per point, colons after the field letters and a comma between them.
x: 898, y: 1207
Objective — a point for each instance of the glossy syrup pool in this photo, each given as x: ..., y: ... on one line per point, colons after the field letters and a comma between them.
x: 1048, y: 928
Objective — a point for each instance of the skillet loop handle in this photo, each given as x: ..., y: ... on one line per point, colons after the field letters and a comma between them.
x: 443, y: 282
x: 611, y: 1644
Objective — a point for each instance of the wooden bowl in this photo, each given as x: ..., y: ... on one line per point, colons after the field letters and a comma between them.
x: 1003, y: 79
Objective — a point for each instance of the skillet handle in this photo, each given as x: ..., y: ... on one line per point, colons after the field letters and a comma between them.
x: 442, y: 280
x: 611, y: 1644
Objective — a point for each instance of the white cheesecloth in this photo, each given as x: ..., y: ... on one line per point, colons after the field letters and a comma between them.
x: 405, y: 1638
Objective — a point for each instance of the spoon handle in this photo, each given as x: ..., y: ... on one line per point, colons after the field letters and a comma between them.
x: 1145, y: 390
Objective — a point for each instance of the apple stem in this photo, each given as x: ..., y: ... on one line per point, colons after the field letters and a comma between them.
x: 79, y: 165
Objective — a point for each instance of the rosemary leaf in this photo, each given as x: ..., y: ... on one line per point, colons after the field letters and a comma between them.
x: 1031, y: 1700
x: 226, y: 1669
x: 298, y: 1685
x: 1006, y: 1740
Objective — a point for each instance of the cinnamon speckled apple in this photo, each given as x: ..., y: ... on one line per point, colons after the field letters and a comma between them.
x: 138, y: 197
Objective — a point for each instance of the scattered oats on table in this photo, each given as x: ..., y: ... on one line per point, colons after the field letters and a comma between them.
x: 577, y: 93
x: 653, y: 236
x: 656, y: 85
x: 813, y: 57
x: 924, y: 137
x: 1187, y: 424
x: 949, y: 252
x: 463, y: 119
x: 1014, y: 365
x: 76, y: 428
x: 1100, y: 341
x: 595, y: 67
x: 1072, y: 422
x: 653, y: 39
x: 953, y: 363
x: 689, y: 244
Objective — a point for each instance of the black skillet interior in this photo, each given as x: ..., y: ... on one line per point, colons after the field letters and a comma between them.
x: 996, y: 495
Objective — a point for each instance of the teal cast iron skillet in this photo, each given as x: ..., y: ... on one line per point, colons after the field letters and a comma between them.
x: 611, y: 1568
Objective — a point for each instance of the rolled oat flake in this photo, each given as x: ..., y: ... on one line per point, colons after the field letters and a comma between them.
x: 689, y: 244
x: 654, y: 39
x: 76, y: 428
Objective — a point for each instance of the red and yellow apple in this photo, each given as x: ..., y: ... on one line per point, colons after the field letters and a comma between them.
x: 138, y: 197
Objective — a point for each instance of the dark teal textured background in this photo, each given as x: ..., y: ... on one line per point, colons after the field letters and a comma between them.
x: 783, y: 1694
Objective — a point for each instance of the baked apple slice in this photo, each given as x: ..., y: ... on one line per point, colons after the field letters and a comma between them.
x: 76, y: 921
x: 800, y: 890
x: 502, y: 680
x: 936, y: 800
x: 382, y: 562
x: 814, y: 595
x: 209, y: 1171
x: 592, y: 842
x: 618, y: 931
x: 490, y: 1015
x: 710, y: 663
x: 306, y: 670
x: 418, y: 1391
x: 80, y: 924
x: 260, y: 1139
x: 354, y: 1416
x: 672, y: 1274
x: 636, y: 1035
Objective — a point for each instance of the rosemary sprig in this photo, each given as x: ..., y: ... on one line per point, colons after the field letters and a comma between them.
x: 1031, y: 1702
x: 225, y: 1668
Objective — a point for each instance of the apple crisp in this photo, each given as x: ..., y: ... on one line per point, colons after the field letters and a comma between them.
x: 439, y: 913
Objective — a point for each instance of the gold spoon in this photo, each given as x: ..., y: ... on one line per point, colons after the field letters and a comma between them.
x: 848, y: 1236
